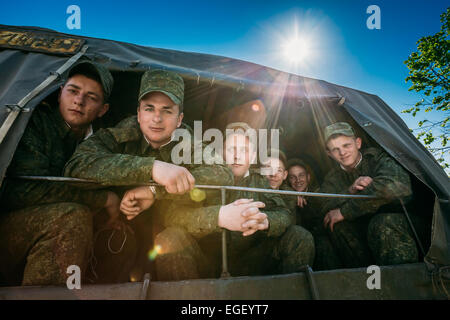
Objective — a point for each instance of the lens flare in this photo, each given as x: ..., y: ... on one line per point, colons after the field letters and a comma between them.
x: 197, y: 195
x: 152, y: 254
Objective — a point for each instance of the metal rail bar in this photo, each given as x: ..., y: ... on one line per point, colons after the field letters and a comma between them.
x: 16, y: 109
x: 225, y: 273
x: 202, y: 186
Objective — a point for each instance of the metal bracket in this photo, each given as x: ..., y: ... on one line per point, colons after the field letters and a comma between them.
x: 16, y: 107
x: 145, y: 285
x: 311, y: 282
x: 56, y: 74
x: 134, y: 63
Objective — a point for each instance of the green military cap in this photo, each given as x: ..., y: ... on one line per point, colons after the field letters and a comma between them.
x: 338, y: 128
x: 167, y: 82
x: 99, y: 71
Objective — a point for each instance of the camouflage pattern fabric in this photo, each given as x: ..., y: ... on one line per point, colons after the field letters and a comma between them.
x: 46, y: 226
x: 311, y: 219
x: 38, y: 243
x: 121, y: 156
x: 167, y: 82
x: 283, y: 248
x: 290, y: 201
x: 46, y: 145
x: 390, y: 182
x: 375, y: 224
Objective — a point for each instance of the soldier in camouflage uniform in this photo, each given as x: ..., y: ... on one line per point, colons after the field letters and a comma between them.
x: 259, y: 242
x: 275, y: 170
x: 308, y: 214
x: 366, y: 231
x: 47, y: 226
x: 138, y: 150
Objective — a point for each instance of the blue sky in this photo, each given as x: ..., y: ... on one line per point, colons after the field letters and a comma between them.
x: 342, y: 49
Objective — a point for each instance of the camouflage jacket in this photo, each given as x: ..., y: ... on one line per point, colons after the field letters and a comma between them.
x: 121, y: 156
x: 203, y: 221
x: 46, y: 145
x: 291, y: 201
x: 390, y: 182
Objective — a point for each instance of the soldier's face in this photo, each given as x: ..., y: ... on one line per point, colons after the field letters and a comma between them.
x: 298, y: 178
x: 344, y: 150
x: 81, y: 101
x: 158, y: 117
x: 239, y: 153
x: 275, y: 172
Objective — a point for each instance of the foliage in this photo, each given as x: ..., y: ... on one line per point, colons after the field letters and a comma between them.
x: 429, y: 72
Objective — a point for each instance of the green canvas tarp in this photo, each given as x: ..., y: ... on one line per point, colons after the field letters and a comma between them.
x: 29, y: 55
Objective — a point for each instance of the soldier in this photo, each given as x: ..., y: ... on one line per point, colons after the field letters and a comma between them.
x: 308, y: 214
x: 259, y: 242
x: 275, y: 170
x: 357, y: 225
x: 139, y: 149
x: 47, y: 226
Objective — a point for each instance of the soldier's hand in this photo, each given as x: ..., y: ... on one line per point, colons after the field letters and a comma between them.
x: 301, y: 201
x: 332, y: 217
x: 234, y: 215
x: 257, y: 220
x: 360, y: 184
x: 176, y: 179
x: 256, y: 223
x: 136, y: 200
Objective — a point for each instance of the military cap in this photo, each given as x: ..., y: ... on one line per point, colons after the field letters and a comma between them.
x: 92, y: 68
x: 167, y: 82
x: 338, y: 128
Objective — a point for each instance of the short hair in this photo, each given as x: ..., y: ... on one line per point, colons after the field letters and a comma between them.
x: 298, y: 162
x: 281, y: 156
x: 94, y: 72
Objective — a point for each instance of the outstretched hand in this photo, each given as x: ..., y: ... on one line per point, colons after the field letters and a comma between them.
x: 360, y: 184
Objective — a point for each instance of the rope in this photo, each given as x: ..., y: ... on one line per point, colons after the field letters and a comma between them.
x: 93, y: 260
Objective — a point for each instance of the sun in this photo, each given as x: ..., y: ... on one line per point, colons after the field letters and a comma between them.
x: 297, y: 49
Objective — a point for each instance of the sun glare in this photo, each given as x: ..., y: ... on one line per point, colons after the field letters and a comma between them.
x: 297, y: 49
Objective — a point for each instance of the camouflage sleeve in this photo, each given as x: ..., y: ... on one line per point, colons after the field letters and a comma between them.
x: 204, y: 174
x: 278, y: 214
x: 198, y: 220
x: 291, y: 204
x: 31, y: 159
x: 390, y: 182
x: 331, y: 184
x: 100, y: 158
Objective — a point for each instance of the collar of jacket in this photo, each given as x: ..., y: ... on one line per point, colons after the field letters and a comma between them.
x: 61, y: 126
x: 129, y: 130
x: 356, y: 166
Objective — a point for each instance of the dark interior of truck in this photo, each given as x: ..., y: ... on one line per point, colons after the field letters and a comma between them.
x: 300, y: 122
